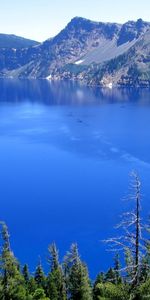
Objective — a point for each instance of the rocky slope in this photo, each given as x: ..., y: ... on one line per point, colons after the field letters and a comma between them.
x: 78, y: 38
x: 92, y: 52
x: 132, y: 68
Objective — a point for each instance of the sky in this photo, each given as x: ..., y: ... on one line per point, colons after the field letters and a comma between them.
x: 42, y: 19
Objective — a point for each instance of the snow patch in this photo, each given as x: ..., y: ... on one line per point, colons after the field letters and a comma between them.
x: 109, y: 85
x: 79, y: 62
x: 49, y: 77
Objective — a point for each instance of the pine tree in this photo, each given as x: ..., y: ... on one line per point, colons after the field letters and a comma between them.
x: 145, y: 268
x: 110, y: 276
x: 117, y: 267
x: 145, y: 263
x: 56, y: 289
x: 100, y: 279
x: 32, y: 286
x: 25, y: 273
x: 78, y: 284
x: 12, y: 280
x: 53, y: 258
x: 39, y: 295
x: 39, y: 276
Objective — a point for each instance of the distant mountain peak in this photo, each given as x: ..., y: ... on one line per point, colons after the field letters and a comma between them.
x: 14, y: 41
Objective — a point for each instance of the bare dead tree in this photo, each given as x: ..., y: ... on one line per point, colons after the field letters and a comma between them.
x: 131, y: 241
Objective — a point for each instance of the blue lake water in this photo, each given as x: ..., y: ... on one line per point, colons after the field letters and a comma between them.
x: 66, y: 152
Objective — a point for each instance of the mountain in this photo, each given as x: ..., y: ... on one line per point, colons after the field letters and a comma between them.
x: 13, y: 41
x: 92, y: 52
x: 109, y: 48
x: 131, y: 68
x: 136, y: 67
x: 126, y: 61
x: 78, y: 38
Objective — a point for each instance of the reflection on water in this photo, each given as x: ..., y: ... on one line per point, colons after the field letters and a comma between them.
x: 61, y: 93
x: 78, y: 119
x: 65, y: 154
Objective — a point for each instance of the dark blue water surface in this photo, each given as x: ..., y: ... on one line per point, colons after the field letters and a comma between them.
x: 66, y: 152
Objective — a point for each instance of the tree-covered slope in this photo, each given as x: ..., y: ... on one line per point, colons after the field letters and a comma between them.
x: 127, y: 279
x: 132, y: 68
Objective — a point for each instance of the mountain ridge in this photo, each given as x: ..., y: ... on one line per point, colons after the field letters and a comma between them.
x: 14, y: 41
x: 89, y: 51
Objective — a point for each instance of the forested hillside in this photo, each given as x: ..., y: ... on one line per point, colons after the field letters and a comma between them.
x: 127, y: 278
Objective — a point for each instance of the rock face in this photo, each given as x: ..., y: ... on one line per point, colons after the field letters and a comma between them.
x: 132, y: 30
x: 129, y: 69
x: 94, y: 52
